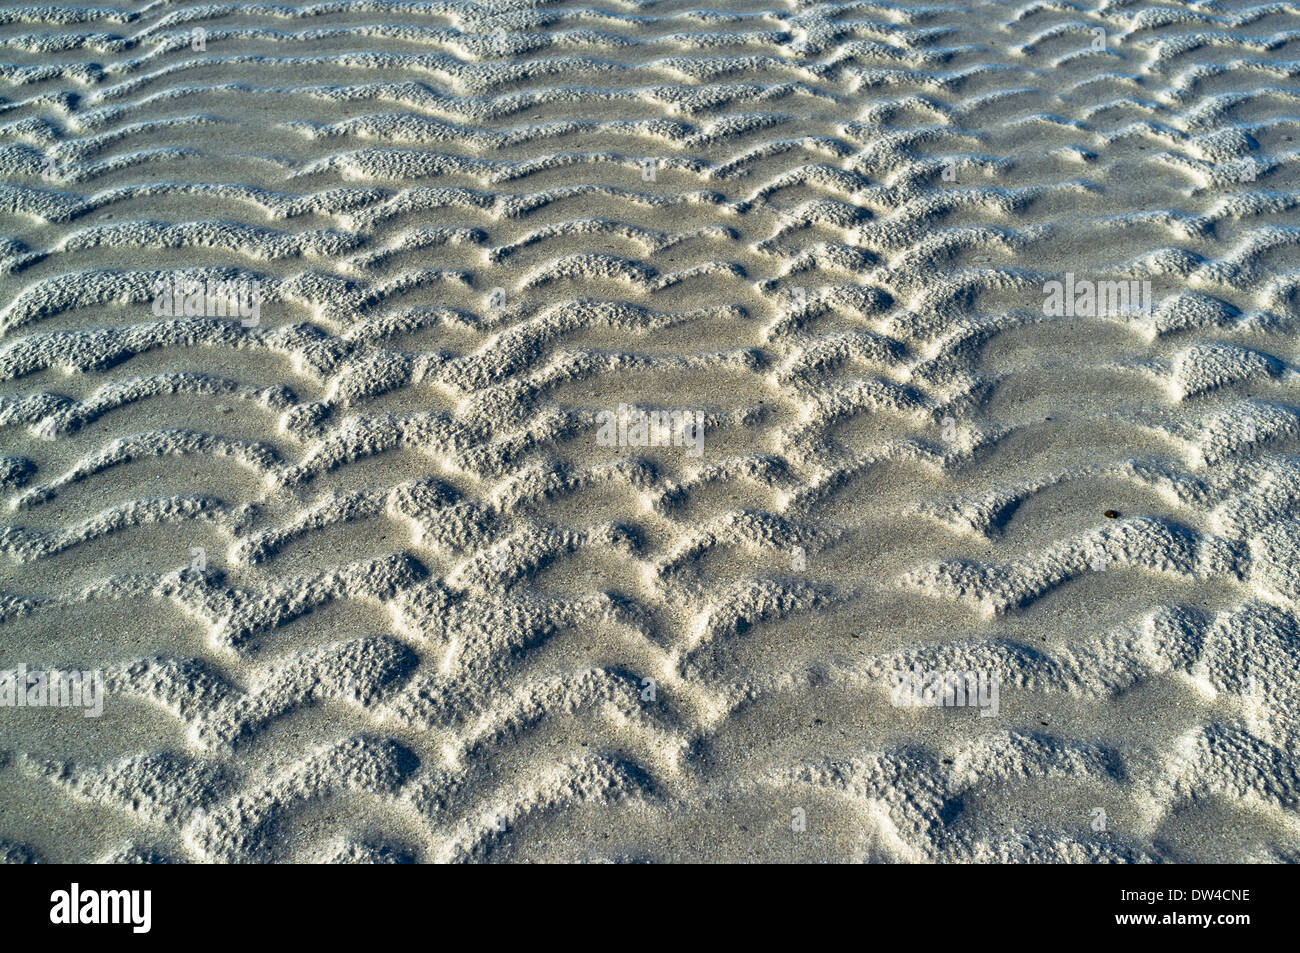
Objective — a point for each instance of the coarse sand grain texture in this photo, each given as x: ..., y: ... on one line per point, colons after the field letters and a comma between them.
x: 650, y: 432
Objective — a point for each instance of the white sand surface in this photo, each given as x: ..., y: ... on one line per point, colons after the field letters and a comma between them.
x: 371, y: 578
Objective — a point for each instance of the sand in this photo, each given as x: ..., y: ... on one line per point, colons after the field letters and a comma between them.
x: 392, y: 565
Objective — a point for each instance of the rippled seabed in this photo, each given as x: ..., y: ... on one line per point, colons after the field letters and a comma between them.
x: 370, y: 570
